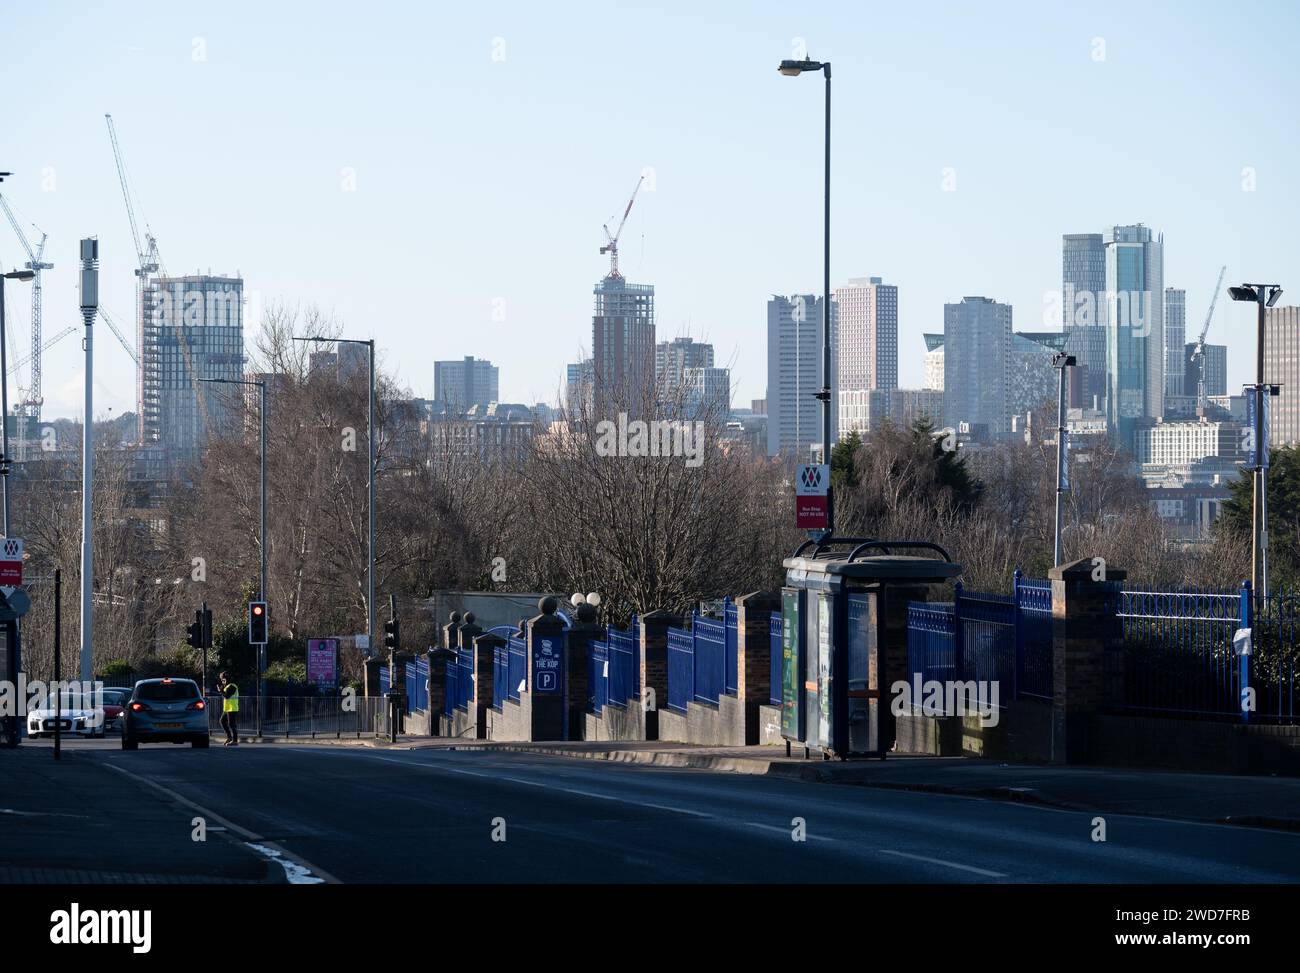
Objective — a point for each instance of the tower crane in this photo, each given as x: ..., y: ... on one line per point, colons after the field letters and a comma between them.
x: 1198, y: 355
x: 31, y: 406
x: 611, y: 247
x: 45, y: 347
x: 121, y: 338
x: 149, y: 263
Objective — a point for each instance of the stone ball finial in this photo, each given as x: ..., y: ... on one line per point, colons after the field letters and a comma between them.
x: 469, y: 618
x: 547, y: 605
x: 455, y: 617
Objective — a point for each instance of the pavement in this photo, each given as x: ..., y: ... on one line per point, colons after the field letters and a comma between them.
x: 1255, y: 801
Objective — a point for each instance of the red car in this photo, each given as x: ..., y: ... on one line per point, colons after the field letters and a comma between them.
x: 114, y: 699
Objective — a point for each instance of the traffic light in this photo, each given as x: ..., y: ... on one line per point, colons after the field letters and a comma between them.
x: 257, y: 623
x: 194, y: 633
x: 207, y: 627
x: 393, y: 635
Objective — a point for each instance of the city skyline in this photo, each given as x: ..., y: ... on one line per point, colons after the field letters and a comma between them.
x: 538, y: 223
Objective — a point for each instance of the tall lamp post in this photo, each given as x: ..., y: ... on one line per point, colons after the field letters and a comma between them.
x: 792, y: 69
x: 261, y: 589
x: 89, y: 306
x: 1061, y: 362
x: 1264, y: 296
x: 370, y: 481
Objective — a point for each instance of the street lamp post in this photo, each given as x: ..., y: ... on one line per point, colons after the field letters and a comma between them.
x: 370, y: 481
x: 1061, y: 362
x: 1264, y: 296
x: 794, y: 69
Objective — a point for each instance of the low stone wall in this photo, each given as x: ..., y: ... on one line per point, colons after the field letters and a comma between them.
x: 616, y: 722
x: 1023, y: 732
x: 706, y: 725
x: 462, y: 724
x: 1197, y: 745
x: 514, y: 722
x: 769, y: 724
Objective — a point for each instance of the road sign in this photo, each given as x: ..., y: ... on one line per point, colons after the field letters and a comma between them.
x: 811, y: 496
x: 546, y: 664
x: 323, y: 662
x: 11, y: 561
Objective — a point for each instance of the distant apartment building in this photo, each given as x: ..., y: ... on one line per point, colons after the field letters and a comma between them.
x: 1135, y: 337
x: 1032, y: 382
x: 794, y: 374
x: 341, y: 363
x: 977, y: 343
x: 501, y: 431
x: 1282, y: 367
x: 674, y: 357
x: 934, y: 360
x: 1083, y: 289
x: 864, y: 410
x: 189, y: 328
x: 867, y: 340
x: 706, y: 393
x: 577, y: 387
x: 1191, y: 451
x: 1175, y: 340
x: 622, y: 343
x: 466, y: 383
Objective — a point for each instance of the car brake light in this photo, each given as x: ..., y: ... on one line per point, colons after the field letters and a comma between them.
x: 167, y: 679
x: 197, y: 704
x: 137, y: 707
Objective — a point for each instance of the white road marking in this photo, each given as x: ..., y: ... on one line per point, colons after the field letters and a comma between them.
x: 946, y: 864
x: 251, y: 840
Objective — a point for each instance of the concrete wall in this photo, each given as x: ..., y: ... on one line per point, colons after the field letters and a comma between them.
x: 1199, y: 745
x: 706, y: 725
x: 616, y: 723
x: 1023, y: 732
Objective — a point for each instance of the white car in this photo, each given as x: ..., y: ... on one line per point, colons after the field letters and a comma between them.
x: 75, y: 717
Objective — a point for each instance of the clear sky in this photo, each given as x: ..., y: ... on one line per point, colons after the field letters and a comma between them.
x: 489, y: 142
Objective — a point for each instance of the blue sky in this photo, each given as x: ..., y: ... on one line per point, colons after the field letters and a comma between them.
x: 489, y: 143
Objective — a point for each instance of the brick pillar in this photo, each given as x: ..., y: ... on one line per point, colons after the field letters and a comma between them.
x: 547, y: 708
x: 437, y: 692
x: 484, y: 670
x: 654, y: 666
x: 584, y: 630
x: 1085, y: 621
x: 754, y: 655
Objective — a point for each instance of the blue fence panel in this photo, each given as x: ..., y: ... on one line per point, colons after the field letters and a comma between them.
x: 1274, y: 667
x: 776, y: 648
x: 731, y: 617
x: 451, y: 699
x: 1034, y: 639
x: 417, y: 685
x: 681, y: 669
x: 931, y: 640
x: 517, y: 668
x: 385, y: 680
x: 986, y: 636
x: 465, y: 682
x: 1177, y: 656
x: 597, y: 676
x: 710, y: 658
x: 500, y: 675
x: 624, y: 663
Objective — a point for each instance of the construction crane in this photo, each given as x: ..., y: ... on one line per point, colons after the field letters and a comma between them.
x: 126, y: 345
x: 1198, y: 354
x: 46, y: 347
x: 149, y: 263
x: 611, y: 247
x: 31, y: 406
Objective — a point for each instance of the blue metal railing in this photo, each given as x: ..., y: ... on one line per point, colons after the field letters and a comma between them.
x: 710, y: 657
x: 931, y: 640
x: 624, y: 664
x: 1033, y: 598
x: 731, y: 675
x: 985, y: 630
x: 681, y: 669
x: 516, y: 668
x: 417, y: 685
x: 775, y: 660
x: 597, y: 675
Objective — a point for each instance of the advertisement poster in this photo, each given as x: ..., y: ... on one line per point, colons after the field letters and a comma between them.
x: 323, y: 662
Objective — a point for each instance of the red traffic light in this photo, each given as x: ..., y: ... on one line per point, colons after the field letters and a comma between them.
x: 257, y: 609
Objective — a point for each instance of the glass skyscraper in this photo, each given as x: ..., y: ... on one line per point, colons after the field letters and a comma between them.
x: 1135, y: 337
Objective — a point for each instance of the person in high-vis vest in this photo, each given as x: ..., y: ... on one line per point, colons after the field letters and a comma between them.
x: 229, y: 709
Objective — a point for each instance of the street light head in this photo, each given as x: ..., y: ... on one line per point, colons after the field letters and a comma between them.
x: 1273, y: 294
x: 20, y: 274
x: 791, y: 69
x: 1243, y: 293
